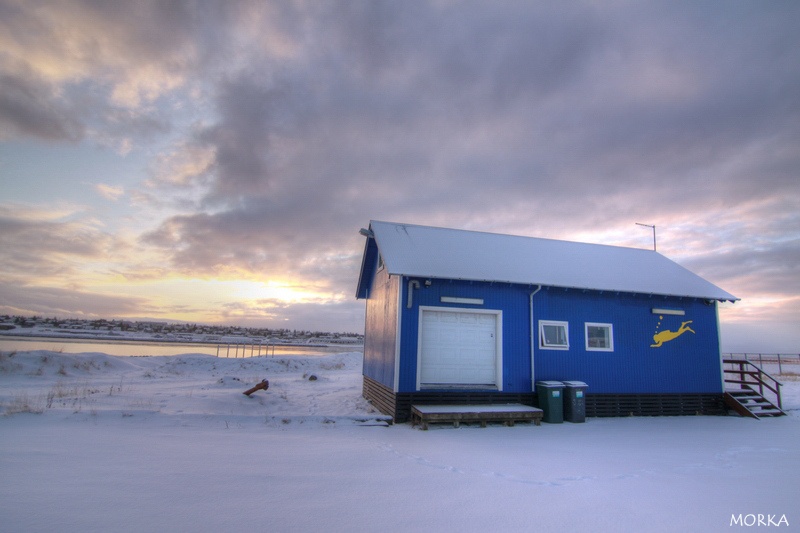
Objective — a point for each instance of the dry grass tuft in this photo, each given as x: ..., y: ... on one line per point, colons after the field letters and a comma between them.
x: 24, y: 404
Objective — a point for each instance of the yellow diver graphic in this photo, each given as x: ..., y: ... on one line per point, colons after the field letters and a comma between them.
x: 667, y: 335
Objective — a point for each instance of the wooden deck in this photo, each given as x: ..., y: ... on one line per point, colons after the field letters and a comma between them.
x: 483, y: 414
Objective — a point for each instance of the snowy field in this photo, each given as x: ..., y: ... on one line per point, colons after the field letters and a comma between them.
x: 91, y: 442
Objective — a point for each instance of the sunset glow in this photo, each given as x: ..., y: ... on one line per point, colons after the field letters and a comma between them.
x: 214, y: 162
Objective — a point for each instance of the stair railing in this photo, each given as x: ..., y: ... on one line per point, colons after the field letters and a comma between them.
x: 749, y: 375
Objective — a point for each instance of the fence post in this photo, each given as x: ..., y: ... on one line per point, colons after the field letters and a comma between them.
x: 780, y: 367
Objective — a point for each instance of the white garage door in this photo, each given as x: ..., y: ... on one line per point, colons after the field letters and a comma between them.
x: 458, y: 348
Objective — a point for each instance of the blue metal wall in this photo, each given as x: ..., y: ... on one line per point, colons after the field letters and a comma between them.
x: 380, y: 329
x: 511, y: 299
x: 688, y: 364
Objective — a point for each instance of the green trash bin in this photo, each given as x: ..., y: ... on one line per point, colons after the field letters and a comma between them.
x: 575, y: 401
x: 550, y: 401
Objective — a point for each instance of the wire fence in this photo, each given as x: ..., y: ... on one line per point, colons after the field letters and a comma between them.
x: 782, y: 364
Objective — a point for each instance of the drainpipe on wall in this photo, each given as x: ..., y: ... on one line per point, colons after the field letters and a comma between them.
x: 538, y: 288
x: 412, y: 284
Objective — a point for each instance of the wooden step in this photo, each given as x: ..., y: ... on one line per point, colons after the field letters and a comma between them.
x: 753, y: 401
x: 767, y: 410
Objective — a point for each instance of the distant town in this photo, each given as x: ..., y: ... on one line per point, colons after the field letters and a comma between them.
x: 36, y: 326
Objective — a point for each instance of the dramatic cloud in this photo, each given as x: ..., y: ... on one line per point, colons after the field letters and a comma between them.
x: 58, y: 302
x: 48, y: 245
x: 34, y: 109
x: 75, y: 68
x: 269, y: 132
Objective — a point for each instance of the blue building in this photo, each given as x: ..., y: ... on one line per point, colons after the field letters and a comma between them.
x: 458, y: 316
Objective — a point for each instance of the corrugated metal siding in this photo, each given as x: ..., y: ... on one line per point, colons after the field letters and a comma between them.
x: 512, y: 300
x: 380, y: 330
x: 689, y: 363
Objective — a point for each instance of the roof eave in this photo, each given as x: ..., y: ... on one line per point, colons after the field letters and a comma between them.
x: 361, y: 287
x: 717, y: 298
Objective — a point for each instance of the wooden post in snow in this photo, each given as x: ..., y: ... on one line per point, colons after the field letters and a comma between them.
x: 264, y: 385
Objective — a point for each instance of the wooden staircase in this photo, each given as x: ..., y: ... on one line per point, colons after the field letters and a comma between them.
x: 749, y: 386
x: 751, y: 403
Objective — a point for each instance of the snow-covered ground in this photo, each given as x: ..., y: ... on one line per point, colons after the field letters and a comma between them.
x: 92, y: 442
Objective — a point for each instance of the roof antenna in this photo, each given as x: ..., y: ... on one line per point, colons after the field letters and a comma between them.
x: 654, y: 232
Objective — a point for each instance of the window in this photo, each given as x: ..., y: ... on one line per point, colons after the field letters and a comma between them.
x: 599, y: 337
x: 553, y: 335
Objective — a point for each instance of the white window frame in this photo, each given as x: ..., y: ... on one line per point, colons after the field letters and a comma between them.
x: 543, y: 344
x: 610, y: 327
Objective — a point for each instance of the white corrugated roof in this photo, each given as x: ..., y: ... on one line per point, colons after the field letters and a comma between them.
x: 428, y: 252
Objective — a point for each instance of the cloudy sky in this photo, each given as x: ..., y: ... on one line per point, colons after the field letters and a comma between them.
x: 214, y: 161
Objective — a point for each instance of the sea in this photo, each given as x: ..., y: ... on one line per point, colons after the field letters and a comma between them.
x: 144, y: 348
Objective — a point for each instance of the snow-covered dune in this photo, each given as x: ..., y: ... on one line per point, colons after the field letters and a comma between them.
x: 300, y: 388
